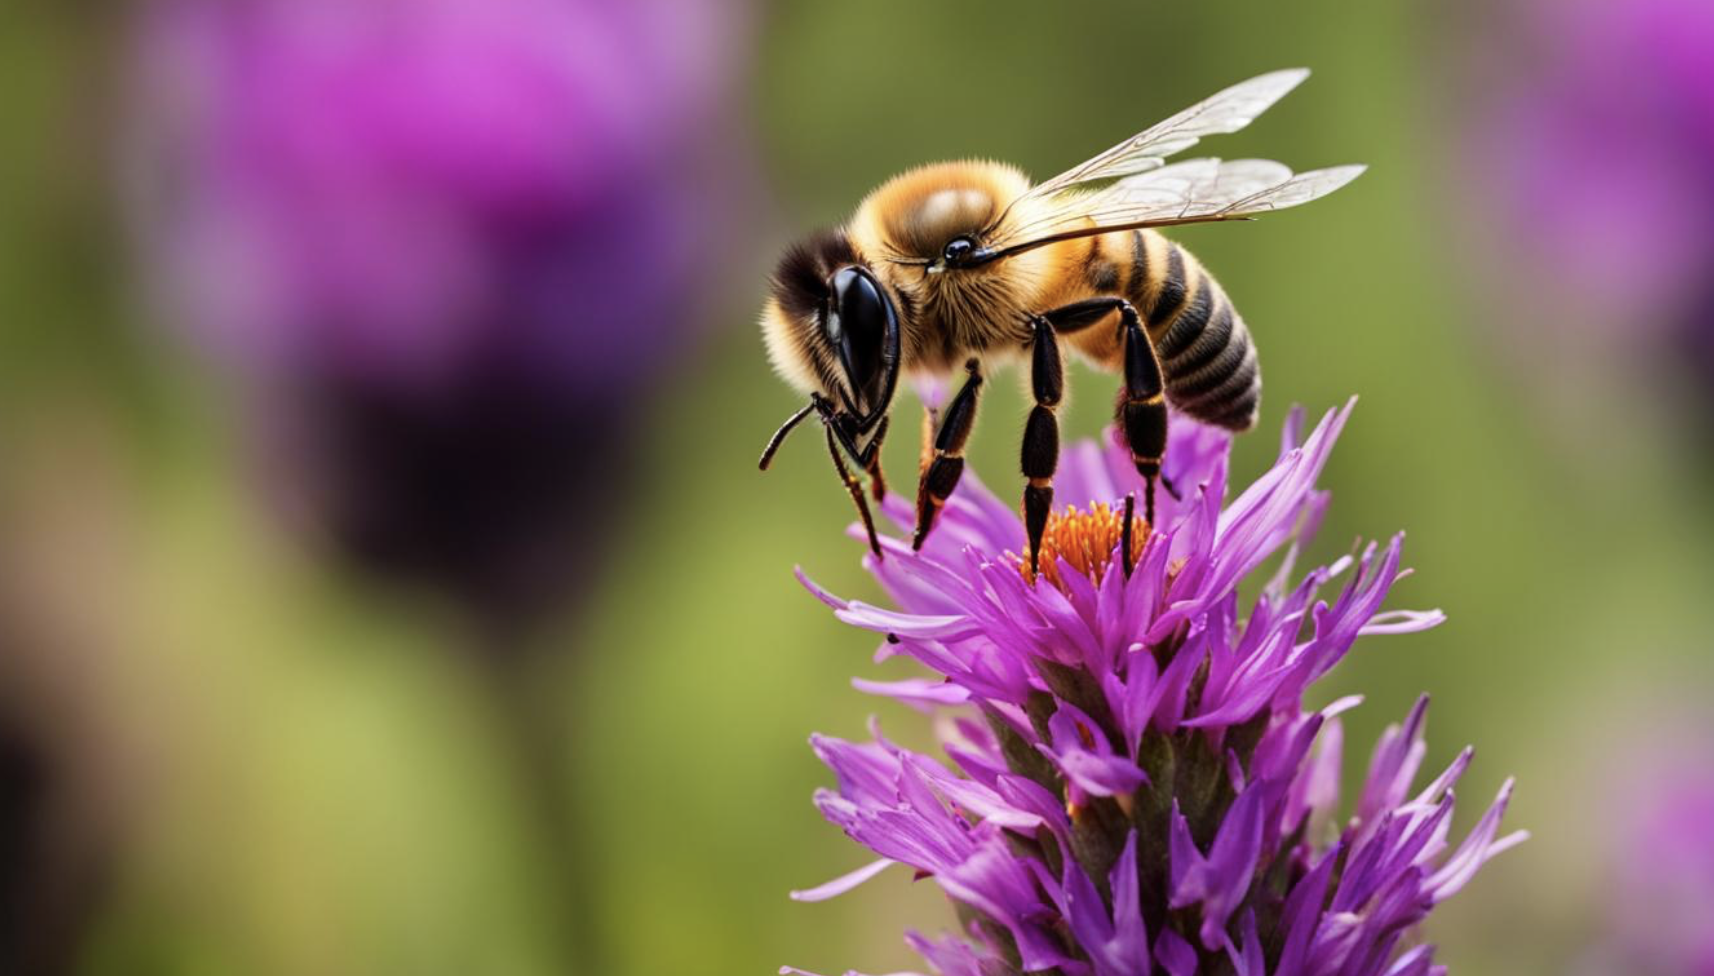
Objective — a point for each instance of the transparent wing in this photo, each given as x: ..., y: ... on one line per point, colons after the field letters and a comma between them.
x: 1296, y: 191
x: 1192, y: 191
x: 1227, y: 111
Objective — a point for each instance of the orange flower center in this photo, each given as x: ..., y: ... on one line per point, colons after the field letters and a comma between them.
x: 1087, y: 541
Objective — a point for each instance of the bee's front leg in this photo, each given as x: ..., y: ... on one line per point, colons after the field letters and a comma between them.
x: 946, y: 465
x: 877, y: 479
x: 855, y: 487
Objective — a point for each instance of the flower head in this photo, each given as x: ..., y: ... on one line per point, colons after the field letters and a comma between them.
x: 1657, y: 851
x: 441, y: 247
x: 1134, y: 783
x: 391, y: 187
x: 1594, y: 146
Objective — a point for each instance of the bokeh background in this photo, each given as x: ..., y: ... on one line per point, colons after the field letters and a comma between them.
x: 386, y: 584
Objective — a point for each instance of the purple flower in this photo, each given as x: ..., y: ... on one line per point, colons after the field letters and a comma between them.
x: 1134, y: 783
x: 1658, y: 843
x: 1594, y: 144
x: 440, y: 246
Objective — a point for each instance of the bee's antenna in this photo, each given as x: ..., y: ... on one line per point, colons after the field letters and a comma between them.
x: 780, y: 435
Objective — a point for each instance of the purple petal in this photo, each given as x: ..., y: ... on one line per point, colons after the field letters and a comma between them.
x: 843, y: 883
x: 1112, y: 953
x: 1316, y: 789
x: 1302, y: 913
x: 816, y: 591
x: 1220, y: 880
x: 1477, y: 848
x: 1418, y: 961
x: 950, y: 956
x: 1397, y: 757
x: 1175, y: 955
x: 907, y: 625
x: 1130, y: 935
x: 1248, y: 961
x: 1402, y: 622
x: 1094, y: 769
x: 921, y: 693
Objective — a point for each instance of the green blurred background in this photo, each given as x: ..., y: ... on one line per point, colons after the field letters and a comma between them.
x: 260, y: 764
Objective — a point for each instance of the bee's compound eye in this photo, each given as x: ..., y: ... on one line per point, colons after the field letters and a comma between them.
x: 958, y: 250
x: 857, y: 326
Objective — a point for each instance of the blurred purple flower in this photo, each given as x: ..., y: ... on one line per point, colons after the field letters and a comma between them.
x: 1597, y: 145
x: 442, y: 245
x: 1138, y: 785
x: 1659, y: 895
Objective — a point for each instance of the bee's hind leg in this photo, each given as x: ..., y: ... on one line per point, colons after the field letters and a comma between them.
x: 941, y: 473
x: 1040, y: 455
x: 1141, y: 410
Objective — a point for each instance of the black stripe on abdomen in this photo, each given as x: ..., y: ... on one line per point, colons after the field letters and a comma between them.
x: 1226, y: 389
x: 1232, y: 404
x: 1205, y: 351
x: 1207, y: 382
x: 1215, y: 336
x: 1100, y: 274
x: 1211, y: 367
x: 1170, y: 293
x: 1187, y: 326
x: 1135, y: 287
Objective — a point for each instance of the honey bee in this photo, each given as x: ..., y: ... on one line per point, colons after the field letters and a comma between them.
x: 967, y: 265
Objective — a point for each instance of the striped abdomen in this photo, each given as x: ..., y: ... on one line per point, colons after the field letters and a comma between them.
x: 1206, y: 353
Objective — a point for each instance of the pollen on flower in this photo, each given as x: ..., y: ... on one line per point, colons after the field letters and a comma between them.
x: 1086, y: 541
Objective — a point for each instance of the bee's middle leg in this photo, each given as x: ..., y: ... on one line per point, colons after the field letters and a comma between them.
x: 940, y: 475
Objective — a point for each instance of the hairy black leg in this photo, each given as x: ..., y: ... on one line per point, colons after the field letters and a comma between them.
x: 1078, y: 316
x: 1141, y: 409
x: 1040, y: 456
x: 779, y: 437
x: 877, y: 479
x: 855, y: 487
x: 1125, y: 533
x: 941, y: 474
x: 930, y: 422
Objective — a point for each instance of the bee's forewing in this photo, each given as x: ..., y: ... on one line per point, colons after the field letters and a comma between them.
x: 1131, y: 185
x: 1227, y: 111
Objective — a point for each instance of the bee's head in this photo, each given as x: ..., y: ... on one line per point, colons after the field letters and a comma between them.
x: 832, y: 330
